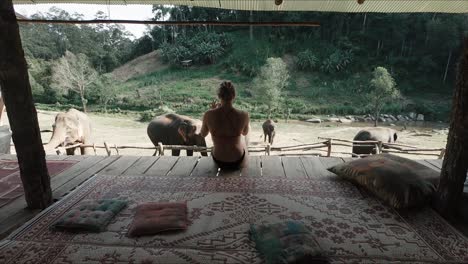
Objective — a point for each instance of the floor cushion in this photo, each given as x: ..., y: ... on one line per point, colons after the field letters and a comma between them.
x: 153, y: 218
x: 400, y: 182
x: 286, y: 242
x: 90, y: 215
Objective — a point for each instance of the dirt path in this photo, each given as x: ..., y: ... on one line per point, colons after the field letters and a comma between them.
x: 125, y: 131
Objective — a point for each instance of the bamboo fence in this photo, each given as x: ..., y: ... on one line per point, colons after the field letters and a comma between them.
x: 324, y: 148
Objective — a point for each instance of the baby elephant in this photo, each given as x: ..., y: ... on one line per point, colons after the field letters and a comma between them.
x: 383, y: 134
x: 269, y: 130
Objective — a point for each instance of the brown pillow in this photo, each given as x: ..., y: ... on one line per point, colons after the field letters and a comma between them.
x: 153, y: 218
x: 400, y: 182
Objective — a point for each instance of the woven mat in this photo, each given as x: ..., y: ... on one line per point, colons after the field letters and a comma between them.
x: 349, y: 225
x: 11, y: 186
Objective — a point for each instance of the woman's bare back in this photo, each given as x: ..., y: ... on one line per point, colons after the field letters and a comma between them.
x: 227, y: 125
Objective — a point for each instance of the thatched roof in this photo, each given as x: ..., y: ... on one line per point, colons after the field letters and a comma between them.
x: 384, y: 6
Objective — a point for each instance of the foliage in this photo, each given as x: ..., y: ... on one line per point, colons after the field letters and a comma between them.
x: 383, y: 90
x: 74, y: 73
x: 306, y: 60
x: 270, y: 82
x: 337, y: 61
x: 202, y: 48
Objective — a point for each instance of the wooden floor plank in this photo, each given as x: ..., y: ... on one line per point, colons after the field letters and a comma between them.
x: 229, y: 173
x: 184, y: 166
x: 97, y: 167
x: 162, y: 166
x: 120, y: 165
x: 16, y: 220
x: 348, y: 159
x: 74, y: 170
x: 78, y: 157
x: 141, y: 165
x: 56, y: 157
x: 436, y: 162
x: 205, y: 167
x: 293, y: 168
x: 427, y: 164
x: 254, y: 167
x: 272, y: 167
x: 330, y: 161
x: 9, y: 157
x: 315, y: 168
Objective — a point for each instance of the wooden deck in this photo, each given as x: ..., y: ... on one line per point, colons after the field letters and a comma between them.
x: 15, y: 213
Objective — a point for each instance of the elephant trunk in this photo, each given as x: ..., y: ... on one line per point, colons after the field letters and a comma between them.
x: 58, y: 138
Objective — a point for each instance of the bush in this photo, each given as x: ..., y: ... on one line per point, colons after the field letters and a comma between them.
x: 306, y: 60
x: 148, y: 115
x: 202, y: 48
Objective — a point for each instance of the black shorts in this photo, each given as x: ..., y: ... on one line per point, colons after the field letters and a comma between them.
x: 229, y: 165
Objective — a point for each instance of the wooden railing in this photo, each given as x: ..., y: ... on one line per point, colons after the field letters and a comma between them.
x: 323, y: 148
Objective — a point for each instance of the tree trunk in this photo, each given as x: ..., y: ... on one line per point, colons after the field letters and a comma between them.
x: 364, y: 23
x: 251, y: 27
x: 16, y: 92
x: 447, y: 66
x: 455, y: 165
x: 83, y: 102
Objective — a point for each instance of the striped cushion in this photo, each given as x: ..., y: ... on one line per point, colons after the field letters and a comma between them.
x: 400, y: 182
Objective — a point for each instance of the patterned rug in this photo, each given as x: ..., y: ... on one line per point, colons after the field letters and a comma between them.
x: 10, y: 181
x: 348, y: 224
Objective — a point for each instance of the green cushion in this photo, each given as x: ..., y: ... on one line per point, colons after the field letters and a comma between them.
x: 400, y: 182
x: 90, y: 215
x: 286, y: 242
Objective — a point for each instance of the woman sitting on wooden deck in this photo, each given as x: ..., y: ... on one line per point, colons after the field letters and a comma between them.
x: 227, y: 125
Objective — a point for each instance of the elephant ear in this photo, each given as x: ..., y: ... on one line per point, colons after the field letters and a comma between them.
x: 186, y: 130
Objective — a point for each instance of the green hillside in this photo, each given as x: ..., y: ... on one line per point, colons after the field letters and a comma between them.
x: 330, y: 67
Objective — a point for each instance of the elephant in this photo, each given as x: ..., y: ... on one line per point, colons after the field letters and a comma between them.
x: 385, y: 135
x: 173, y: 129
x: 70, y: 128
x: 269, y: 130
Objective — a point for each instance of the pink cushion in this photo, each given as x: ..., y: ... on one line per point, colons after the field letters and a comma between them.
x: 153, y: 218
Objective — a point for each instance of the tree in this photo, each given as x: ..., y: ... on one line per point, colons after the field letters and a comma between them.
x: 454, y: 167
x: 383, y: 90
x: 268, y: 85
x: 106, y: 90
x: 74, y: 73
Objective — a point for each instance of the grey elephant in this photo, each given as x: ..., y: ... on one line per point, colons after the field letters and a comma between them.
x: 70, y: 128
x: 173, y: 129
x: 383, y: 134
x: 269, y: 130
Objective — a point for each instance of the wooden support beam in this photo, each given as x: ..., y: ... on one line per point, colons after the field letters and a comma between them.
x: 174, y: 23
x: 16, y: 93
x: 455, y: 165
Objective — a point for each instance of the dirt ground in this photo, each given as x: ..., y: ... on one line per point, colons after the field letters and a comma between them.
x: 125, y: 131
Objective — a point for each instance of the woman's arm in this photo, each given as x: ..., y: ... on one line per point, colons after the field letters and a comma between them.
x: 204, y: 129
x: 246, y: 129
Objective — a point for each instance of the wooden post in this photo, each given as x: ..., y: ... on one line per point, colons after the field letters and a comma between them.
x: 378, y: 147
x: 107, y: 149
x: 329, y: 146
x: 455, y: 165
x: 16, y: 93
x: 442, y: 153
x: 161, y: 149
x: 116, y: 149
x: 94, y: 148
